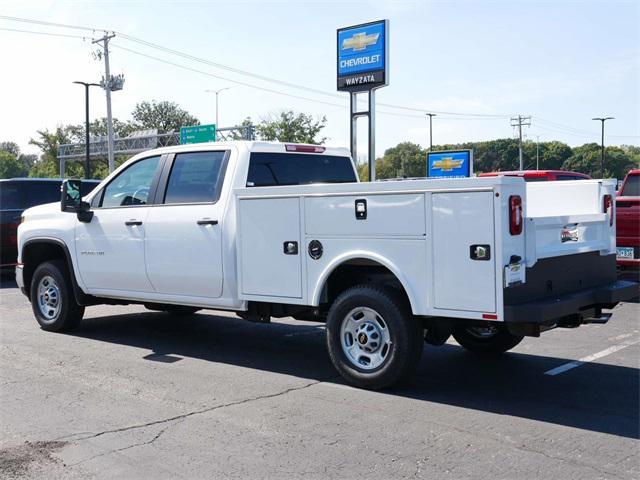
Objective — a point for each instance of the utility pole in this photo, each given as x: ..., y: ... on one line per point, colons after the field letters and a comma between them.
x: 430, y: 115
x: 87, y: 165
x: 538, y: 151
x: 107, y: 85
x: 217, y: 92
x: 602, y: 120
x: 519, y: 122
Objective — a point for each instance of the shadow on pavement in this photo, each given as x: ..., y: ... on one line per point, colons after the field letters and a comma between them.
x: 596, y: 396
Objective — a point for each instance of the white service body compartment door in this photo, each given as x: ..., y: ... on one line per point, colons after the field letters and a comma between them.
x: 266, y: 224
x: 462, y: 220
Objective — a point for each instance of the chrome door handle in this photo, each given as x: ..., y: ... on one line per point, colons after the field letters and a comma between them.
x: 207, y: 221
x: 133, y: 223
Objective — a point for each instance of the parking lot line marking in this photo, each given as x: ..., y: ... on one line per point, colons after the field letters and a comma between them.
x: 590, y: 358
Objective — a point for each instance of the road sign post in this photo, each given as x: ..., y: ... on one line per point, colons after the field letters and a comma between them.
x: 197, y: 134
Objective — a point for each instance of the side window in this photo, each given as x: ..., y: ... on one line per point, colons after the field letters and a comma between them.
x: 131, y: 187
x: 12, y: 196
x: 195, y: 178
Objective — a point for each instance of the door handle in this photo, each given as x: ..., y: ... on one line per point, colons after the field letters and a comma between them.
x: 480, y: 252
x: 133, y: 223
x: 207, y: 221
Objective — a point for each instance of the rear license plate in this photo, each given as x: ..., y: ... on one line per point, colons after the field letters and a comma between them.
x: 625, y: 253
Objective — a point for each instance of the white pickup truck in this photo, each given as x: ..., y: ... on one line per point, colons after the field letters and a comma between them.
x: 275, y: 230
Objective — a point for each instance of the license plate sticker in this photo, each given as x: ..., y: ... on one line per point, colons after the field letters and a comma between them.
x: 625, y: 253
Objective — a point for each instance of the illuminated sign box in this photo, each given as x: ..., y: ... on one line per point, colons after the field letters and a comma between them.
x: 362, y: 56
x: 450, y: 164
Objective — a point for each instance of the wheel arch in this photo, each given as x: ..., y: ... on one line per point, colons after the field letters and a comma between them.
x: 35, y: 251
x: 361, y: 259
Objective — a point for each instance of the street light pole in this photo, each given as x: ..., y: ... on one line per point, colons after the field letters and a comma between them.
x: 602, y: 120
x: 217, y: 92
x: 87, y: 165
x: 431, y: 115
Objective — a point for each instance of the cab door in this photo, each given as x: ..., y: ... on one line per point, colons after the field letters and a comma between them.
x: 110, y: 248
x: 183, y: 241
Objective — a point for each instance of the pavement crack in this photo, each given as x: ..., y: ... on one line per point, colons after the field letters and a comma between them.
x: 197, y: 412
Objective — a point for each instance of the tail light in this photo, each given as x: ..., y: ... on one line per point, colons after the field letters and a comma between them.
x: 515, y: 215
x: 607, y: 207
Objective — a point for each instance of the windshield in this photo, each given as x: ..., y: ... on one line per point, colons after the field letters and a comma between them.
x: 632, y: 186
x: 268, y: 169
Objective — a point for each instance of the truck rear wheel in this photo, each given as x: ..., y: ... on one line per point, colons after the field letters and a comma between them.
x: 52, y: 299
x: 489, y: 340
x: 372, y: 338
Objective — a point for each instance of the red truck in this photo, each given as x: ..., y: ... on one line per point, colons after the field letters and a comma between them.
x: 540, y: 175
x: 628, y: 221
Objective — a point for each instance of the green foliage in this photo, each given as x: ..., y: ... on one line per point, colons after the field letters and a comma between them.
x: 10, y: 166
x: 586, y: 159
x: 291, y: 127
x: 164, y: 116
x: 11, y: 147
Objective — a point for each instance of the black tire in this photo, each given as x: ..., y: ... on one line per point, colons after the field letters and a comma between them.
x: 67, y: 314
x: 490, y: 344
x: 405, y: 333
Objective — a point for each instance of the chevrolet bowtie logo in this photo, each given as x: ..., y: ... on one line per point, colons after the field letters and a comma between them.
x: 447, y: 164
x: 360, y: 41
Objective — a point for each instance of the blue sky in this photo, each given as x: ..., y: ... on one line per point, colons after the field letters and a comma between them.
x: 562, y: 62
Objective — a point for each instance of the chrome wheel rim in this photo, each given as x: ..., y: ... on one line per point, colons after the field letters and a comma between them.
x: 365, y: 338
x: 482, y: 332
x: 49, y: 299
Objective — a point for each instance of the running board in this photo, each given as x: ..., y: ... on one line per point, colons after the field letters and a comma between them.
x: 603, y: 318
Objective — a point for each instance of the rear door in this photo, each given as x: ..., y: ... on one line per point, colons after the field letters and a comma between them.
x: 463, y: 251
x: 183, y: 243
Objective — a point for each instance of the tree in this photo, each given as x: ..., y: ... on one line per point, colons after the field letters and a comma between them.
x: 164, y: 116
x: 586, y: 159
x: 10, y: 166
x: 404, y: 160
x: 291, y: 127
x: 11, y: 147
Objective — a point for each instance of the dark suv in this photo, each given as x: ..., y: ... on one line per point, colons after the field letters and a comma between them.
x: 16, y: 195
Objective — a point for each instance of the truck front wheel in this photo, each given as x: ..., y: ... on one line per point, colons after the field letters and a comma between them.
x: 52, y: 299
x: 372, y: 337
x: 489, y: 340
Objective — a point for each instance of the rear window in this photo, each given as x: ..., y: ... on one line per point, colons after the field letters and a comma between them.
x: 269, y: 169
x: 535, y: 179
x: 632, y: 186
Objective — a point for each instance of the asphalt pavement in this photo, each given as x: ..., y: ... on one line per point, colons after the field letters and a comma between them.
x: 138, y: 394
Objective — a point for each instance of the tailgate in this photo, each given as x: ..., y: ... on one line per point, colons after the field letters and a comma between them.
x: 566, y: 218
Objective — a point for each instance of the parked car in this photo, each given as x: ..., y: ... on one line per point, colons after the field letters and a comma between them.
x: 273, y: 230
x: 628, y: 222
x: 16, y: 195
x: 540, y: 175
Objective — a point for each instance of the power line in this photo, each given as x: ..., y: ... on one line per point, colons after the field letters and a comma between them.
x: 244, y: 72
x: 43, y: 33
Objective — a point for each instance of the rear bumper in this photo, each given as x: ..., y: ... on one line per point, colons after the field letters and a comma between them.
x: 576, y: 305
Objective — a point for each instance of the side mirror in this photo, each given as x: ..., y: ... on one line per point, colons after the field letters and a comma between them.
x: 71, y: 200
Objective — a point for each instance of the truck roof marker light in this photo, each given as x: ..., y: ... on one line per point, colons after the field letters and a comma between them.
x: 289, y: 147
x: 607, y: 207
x: 489, y: 316
x: 515, y: 215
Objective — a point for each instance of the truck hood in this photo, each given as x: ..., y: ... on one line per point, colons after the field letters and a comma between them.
x: 39, y: 210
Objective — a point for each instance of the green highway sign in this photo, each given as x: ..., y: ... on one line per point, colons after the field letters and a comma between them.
x: 197, y: 134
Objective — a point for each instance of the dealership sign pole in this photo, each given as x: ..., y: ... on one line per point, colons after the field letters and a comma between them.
x: 363, y: 56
